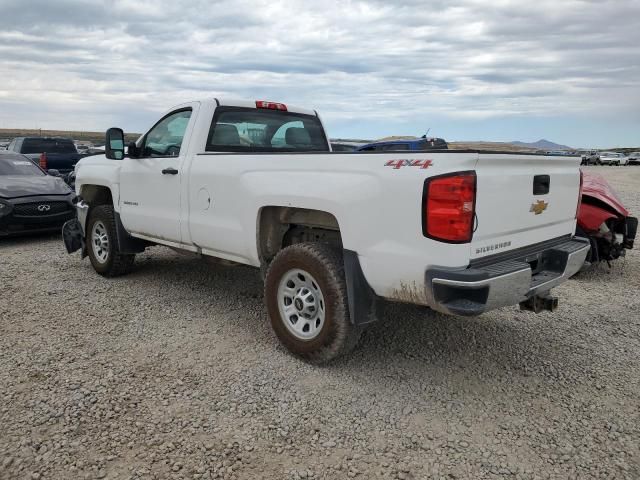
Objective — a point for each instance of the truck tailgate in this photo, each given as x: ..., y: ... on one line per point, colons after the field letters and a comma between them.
x: 523, y: 200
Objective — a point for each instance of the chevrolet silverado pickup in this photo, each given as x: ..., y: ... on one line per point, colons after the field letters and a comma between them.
x: 333, y: 233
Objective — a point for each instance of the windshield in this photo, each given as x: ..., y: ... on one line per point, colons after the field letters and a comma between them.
x: 10, y: 165
x: 259, y: 130
x: 48, y: 145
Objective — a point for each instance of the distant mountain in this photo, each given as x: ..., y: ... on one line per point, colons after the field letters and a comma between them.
x: 542, y: 145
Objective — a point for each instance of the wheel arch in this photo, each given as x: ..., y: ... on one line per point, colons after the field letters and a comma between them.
x: 94, y: 195
x: 279, y: 227
x: 276, y: 225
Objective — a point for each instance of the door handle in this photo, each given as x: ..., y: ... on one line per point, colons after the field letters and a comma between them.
x: 170, y: 171
x: 541, y: 184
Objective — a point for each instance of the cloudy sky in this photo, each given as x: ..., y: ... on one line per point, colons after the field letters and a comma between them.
x: 498, y: 70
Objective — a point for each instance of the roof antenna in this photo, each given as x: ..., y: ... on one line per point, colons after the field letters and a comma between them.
x: 425, y: 135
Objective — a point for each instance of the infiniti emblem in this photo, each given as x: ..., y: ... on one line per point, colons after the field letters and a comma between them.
x: 44, y: 208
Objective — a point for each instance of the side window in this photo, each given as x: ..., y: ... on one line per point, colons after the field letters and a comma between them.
x: 165, y: 138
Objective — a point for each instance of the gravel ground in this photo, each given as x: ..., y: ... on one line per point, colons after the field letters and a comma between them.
x: 173, y: 372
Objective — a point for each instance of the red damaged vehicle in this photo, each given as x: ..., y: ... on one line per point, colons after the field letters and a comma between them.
x: 604, y: 220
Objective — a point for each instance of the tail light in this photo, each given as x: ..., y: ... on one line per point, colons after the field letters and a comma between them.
x: 271, y: 105
x: 449, y: 206
x: 43, y: 161
x: 579, y: 195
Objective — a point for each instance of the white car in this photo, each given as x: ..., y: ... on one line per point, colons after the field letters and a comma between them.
x: 255, y: 183
x: 612, y: 158
x: 633, y: 158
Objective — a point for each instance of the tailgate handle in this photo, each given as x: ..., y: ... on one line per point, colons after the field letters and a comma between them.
x: 541, y: 184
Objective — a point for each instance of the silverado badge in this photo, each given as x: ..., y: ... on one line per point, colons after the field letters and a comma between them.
x: 538, y: 207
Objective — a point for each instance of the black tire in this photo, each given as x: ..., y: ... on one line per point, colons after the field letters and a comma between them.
x: 113, y: 263
x: 337, y: 335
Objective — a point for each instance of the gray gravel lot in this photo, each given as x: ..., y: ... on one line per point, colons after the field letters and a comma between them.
x: 173, y: 372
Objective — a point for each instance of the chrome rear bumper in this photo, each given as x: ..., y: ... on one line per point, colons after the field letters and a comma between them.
x: 505, y: 281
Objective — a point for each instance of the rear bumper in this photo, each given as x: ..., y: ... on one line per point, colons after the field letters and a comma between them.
x: 505, y: 279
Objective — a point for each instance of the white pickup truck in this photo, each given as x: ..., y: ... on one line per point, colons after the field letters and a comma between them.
x: 256, y: 183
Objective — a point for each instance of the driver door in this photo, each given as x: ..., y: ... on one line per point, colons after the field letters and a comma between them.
x: 150, y: 190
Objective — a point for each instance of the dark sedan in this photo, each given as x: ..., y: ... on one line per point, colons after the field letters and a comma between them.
x: 31, y: 200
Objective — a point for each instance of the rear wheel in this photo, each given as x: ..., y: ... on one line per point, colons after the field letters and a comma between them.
x: 102, y: 244
x: 306, y: 298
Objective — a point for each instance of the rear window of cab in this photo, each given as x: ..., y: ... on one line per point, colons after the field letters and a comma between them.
x: 48, y: 145
x: 237, y: 129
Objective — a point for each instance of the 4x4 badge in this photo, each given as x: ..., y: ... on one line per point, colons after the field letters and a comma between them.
x: 538, y: 207
x: 406, y: 162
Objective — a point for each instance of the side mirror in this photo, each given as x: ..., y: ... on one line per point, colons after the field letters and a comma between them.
x: 114, y: 144
x: 53, y: 172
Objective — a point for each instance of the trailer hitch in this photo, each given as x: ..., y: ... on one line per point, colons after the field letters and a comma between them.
x: 538, y: 303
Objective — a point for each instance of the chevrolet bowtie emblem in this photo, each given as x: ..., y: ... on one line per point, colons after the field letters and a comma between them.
x: 538, y: 207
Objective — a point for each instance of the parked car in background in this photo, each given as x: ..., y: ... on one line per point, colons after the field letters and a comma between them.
x: 417, y: 144
x: 633, y: 158
x: 612, y: 158
x: 48, y: 152
x: 82, y: 148
x: 4, y: 145
x: 95, y: 150
x: 603, y: 219
x: 590, y: 157
x: 333, y: 233
x: 30, y: 199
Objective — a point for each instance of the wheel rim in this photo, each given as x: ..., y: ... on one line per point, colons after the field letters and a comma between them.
x: 301, y: 304
x: 100, y: 242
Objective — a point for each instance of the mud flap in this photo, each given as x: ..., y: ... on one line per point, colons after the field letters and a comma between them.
x: 631, y: 226
x: 362, y: 299
x: 126, y: 243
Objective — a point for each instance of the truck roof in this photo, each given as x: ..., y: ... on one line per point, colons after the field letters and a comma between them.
x: 230, y: 102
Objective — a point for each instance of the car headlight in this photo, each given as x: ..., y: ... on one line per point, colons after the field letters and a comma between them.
x: 5, y: 208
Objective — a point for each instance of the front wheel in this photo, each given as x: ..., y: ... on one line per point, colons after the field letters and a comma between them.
x: 102, y: 244
x: 306, y: 298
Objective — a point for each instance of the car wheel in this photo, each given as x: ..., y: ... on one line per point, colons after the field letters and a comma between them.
x: 102, y: 244
x: 306, y: 298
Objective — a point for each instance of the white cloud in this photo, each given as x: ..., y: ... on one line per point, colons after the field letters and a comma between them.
x: 73, y: 64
